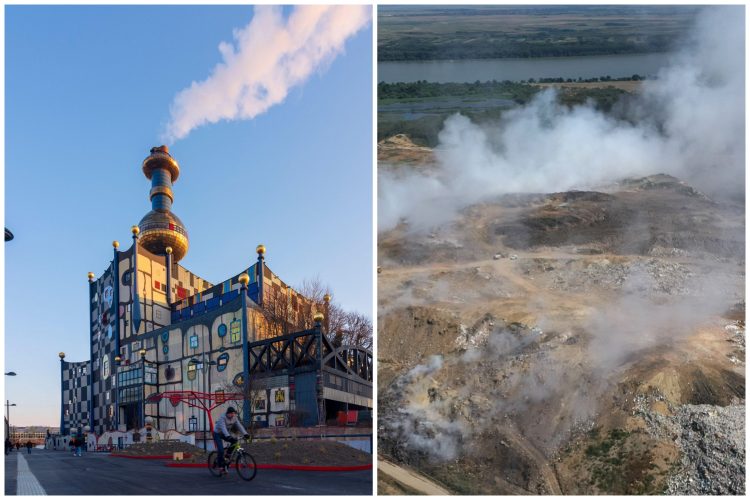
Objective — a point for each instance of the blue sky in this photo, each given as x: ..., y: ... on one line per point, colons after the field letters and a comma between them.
x: 88, y: 91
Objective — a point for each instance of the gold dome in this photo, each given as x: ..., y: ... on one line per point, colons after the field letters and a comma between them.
x: 160, y: 230
x: 327, y: 297
x: 135, y: 230
x: 318, y: 317
x: 244, y: 279
x: 62, y: 355
x: 261, y: 249
x: 168, y: 250
x: 116, y: 244
x: 91, y: 276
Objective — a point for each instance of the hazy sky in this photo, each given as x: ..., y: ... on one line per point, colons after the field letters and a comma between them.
x: 88, y: 93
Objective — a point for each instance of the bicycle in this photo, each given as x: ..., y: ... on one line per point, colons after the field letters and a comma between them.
x: 243, y: 461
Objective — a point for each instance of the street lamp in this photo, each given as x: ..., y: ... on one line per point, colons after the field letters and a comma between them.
x: 142, y: 352
x: 203, y: 364
x: 116, y: 412
x: 8, y: 404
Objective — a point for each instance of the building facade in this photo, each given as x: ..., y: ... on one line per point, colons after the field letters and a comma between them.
x: 156, y: 327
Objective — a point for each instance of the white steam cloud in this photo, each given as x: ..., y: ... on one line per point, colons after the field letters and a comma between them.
x: 688, y: 122
x: 269, y: 57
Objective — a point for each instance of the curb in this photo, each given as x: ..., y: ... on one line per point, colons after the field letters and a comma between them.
x: 145, y: 457
x: 314, y: 468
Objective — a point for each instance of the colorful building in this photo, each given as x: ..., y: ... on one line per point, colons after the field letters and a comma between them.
x: 157, y: 328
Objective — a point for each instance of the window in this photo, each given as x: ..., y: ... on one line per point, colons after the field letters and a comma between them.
x: 222, y: 330
x: 105, y: 366
x: 191, y: 371
x: 234, y: 328
x: 221, y: 362
x: 194, y: 341
x: 219, y: 396
x: 151, y: 374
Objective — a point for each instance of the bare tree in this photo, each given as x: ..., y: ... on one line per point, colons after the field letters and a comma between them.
x: 344, y: 328
x: 358, y: 330
x: 286, y: 311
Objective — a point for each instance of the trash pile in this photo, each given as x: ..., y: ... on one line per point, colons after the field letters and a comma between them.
x: 712, y: 444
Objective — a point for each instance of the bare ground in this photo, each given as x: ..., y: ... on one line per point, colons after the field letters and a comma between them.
x: 530, y: 390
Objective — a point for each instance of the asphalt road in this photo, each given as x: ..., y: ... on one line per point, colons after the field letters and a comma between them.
x: 99, y: 474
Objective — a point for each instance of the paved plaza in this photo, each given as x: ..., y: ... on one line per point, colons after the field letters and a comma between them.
x: 60, y: 473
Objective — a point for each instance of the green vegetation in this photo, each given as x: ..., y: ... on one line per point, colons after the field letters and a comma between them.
x: 518, y: 92
x: 411, y: 33
x: 418, y: 109
x: 602, y: 449
x: 620, y: 464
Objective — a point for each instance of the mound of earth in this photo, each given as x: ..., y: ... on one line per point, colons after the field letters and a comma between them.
x: 399, y: 150
x: 299, y: 452
x: 159, y: 448
x: 582, y: 342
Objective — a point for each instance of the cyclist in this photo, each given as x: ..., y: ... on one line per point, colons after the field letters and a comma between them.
x: 221, y: 433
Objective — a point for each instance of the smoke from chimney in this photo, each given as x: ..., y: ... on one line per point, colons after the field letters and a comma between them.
x: 269, y: 56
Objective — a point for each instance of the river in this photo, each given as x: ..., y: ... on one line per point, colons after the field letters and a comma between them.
x: 471, y: 70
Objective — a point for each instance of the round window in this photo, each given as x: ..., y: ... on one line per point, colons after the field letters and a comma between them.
x: 222, y: 330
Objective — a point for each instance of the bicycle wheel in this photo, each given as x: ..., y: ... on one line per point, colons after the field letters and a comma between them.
x: 246, y: 466
x: 213, y: 468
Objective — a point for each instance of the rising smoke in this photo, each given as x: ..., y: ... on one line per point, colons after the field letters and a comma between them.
x: 514, y: 383
x: 688, y: 122
x: 269, y: 56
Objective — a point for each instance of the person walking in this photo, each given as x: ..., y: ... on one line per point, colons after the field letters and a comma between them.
x: 29, y: 444
x: 79, y: 445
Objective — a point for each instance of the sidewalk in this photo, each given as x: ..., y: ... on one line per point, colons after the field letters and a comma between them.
x: 11, y: 473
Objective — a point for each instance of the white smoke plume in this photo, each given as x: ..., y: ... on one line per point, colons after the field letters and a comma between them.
x: 688, y: 122
x: 269, y: 56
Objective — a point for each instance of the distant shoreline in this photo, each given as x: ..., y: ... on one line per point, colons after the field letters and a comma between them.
x: 530, y: 58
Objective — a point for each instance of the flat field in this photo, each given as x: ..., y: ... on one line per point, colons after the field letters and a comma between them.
x: 417, y: 33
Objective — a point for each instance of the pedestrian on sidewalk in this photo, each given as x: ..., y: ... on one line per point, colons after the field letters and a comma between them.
x: 29, y: 444
x: 78, y: 445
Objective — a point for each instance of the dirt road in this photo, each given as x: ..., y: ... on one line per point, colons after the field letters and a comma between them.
x: 410, y: 478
